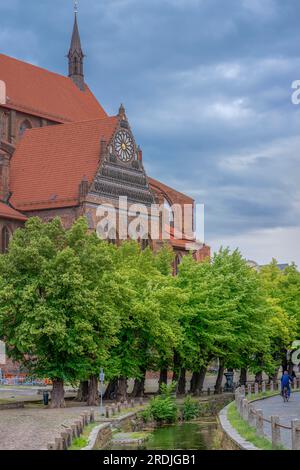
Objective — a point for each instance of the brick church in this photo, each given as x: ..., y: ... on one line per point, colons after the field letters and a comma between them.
x: 62, y: 155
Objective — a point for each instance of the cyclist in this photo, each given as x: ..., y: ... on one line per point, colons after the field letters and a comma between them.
x: 286, y: 380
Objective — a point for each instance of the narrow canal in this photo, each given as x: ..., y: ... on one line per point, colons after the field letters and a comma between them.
x: 198, y: 435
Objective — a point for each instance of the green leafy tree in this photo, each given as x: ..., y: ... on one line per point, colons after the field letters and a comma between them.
x: 53, y: 316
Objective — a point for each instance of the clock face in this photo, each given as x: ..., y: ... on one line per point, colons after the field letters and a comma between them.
x: 124, y: 146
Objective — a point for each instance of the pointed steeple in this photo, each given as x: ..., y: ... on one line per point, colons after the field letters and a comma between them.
x: 76, y: 56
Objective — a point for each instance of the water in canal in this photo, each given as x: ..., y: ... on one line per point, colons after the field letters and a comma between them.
x: 183, y: 436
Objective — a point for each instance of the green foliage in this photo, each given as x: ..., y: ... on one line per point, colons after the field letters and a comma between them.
x: 163, y: 409
x: 190, y: 409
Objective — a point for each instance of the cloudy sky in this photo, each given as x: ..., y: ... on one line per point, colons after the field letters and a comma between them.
x: 207, y: 88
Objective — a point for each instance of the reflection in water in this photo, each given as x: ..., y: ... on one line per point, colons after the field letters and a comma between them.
x: 185, y: 436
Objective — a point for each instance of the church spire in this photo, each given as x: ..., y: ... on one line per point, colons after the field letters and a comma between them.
x: 76, y: 55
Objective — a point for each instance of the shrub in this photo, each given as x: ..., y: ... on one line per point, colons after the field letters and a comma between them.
x: 163, y: 409
x: 190, y: 409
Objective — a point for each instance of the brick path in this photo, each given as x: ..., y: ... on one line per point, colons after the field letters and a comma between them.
x: 275, y: 406
x: 28, y: 428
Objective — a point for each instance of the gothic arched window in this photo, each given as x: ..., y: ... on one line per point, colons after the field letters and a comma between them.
x: 177, y: 263
x: 23, y: 126
x: 169, y: 213
x: 5, y: 236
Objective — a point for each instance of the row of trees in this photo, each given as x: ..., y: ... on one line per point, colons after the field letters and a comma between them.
x: 71, y: 303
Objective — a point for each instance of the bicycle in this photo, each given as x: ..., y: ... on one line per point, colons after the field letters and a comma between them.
x: 285, y: 394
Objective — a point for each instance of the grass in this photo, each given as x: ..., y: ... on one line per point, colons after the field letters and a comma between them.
x: 82, y: 441
x: 246, y: 431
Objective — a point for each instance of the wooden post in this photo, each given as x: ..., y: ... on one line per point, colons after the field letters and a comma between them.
x: 113, y: 409
x: 78, y: 427
x: 243, y: 390
x: 276, y: 438
x: 58, y: 443
x: 256, y: 388
x: 251, y: 416
x: 92, y: 416
x: 119, y: 407
x: 263, y: 387
x: 74, y: 430
x: 295, y: 384
x: 70, y: 437
x: 132, y: 403
x: 107, y: 411
x: 249, y: 387
x: 278, y: 384
x: 296, y: 434
x: 64, y: 437
x: 259, y: 422
x: 271, y: 386
x: 245, y: 409
x: 141, y: 401
x: 208, y: 392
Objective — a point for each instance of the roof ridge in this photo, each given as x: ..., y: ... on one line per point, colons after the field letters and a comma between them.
x: 34, y: 66
x: 72, y: 123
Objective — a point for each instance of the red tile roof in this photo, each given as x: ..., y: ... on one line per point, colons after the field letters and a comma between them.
x: 50, y: 162
x: 170, y: 194
x: 37, y: 91
x: 7, y: 212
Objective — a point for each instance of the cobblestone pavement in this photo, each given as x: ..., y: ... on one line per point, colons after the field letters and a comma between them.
x: 274, y: 406
x: 33, y: 429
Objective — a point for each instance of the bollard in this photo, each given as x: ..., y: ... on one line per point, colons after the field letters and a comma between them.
x: 107, y: 412
x: 259, y: 422
x: 256, y: 388
x: 295, y: 384
x: 241, y: 405
x: 85, y: 418
x: 249, y: 389
x: 276, y: 438
x: 271, y: 386
x: 243, y: 390
x: 70, y: 436
x: 132, y: 403
x: 64, y: 437
x: 263, y: 387
x: 119, y: 407
x: 141, y: 401
x: 92, y: 416
x: 208, y: 392
x: 78, y: 427
x: 58, y: 443
x: 296, y: 434
x: 278, y: 384
x: 251, y: 416
x: 113, y: 409
x: 245, y: 405
x: 74, y: 430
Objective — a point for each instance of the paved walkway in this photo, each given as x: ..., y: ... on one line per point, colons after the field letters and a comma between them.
x: 274, y: 406
x: 33, y: 429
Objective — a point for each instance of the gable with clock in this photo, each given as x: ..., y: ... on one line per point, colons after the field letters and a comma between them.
x: 121, y: 172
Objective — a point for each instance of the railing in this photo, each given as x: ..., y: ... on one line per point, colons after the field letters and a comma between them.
x: 255, y: 417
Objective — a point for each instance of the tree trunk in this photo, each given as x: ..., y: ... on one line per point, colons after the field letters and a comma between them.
x: 139, y: 387
x: 93, y: 394
x: 122, y: 389
x: 218, y: 385
x: 290, y: 367
x: 258, y: 377
x: 202, y: 375
x: 182, y: 382
x: 58, y: 394
x: 194, y: 382
x: 163, y: 378
x: 198, y: 381
x: 284, y: 362
x: 274, y: 377
x: 83, y: 390
x: 176, y: 367
x: 243, y: 376
x: 111, y: 390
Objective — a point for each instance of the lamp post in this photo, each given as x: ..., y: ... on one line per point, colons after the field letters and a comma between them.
x: 102, y: 376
